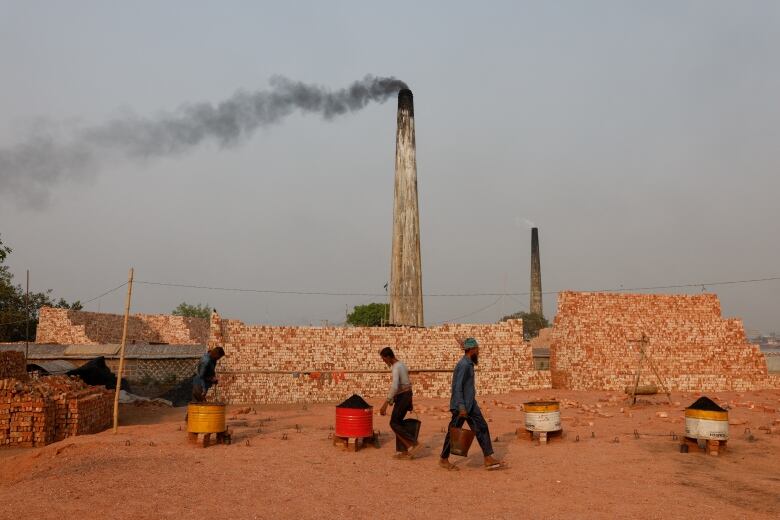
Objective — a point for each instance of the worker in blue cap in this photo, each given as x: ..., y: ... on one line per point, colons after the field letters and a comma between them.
x: 464, y: 408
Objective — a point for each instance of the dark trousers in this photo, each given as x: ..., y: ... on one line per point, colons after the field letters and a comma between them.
x: 198, y: 393
x: 402, y: 406
x: 477, y: 424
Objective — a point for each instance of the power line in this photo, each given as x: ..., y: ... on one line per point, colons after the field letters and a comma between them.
x: 83, y: 303
x: 102, y: 294
x: 474, y: 312
x: 441, y: 295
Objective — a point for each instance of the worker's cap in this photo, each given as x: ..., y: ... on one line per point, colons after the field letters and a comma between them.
x: 470, y: 343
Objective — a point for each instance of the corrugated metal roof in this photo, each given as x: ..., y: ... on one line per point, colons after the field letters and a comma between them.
x: 135, y: 351
x: 92, y: 350
x: 54, y: 366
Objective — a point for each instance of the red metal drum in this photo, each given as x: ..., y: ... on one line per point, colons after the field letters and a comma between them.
x: 354, y: 422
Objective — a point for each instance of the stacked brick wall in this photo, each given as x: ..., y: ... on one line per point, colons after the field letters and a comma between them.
x: 12, y: 364
x: 69, y: 327
x: 42, y: 411
x: 690, y: 344
x: 266, y: 364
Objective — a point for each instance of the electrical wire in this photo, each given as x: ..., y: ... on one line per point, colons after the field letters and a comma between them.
x: 82, y: 303
x: 447, y: 295
x: 474, y: 312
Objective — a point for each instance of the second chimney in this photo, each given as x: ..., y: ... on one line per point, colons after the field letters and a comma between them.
x: 536, y: 274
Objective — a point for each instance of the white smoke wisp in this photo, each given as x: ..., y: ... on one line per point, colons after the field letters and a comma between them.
x: 524, y: 222
x: 30, y: 169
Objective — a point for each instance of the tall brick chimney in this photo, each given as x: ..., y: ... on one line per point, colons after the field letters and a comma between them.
x: 536, y: 274
x: 406, y: 300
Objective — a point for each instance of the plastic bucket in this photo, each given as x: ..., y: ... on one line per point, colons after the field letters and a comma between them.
x: 411, y: 427
x: 460, y: 441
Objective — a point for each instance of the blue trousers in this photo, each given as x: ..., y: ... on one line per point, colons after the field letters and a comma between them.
x: 477, y: 424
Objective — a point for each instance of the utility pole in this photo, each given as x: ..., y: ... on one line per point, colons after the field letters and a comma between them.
x: 122, y: 351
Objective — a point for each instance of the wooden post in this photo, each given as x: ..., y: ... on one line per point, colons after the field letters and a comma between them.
x: 122, y: 351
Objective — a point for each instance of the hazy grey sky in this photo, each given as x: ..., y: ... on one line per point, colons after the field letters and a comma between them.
x: 641, y: 137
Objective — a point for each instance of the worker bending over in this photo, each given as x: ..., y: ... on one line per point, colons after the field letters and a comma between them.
x: 206, y: 376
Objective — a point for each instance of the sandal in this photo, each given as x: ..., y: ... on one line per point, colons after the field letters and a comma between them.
x: 449, y: 466
x: 413, y: 450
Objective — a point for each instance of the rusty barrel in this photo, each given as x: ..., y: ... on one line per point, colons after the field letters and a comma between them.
x: 355, y: 422
x: 206, y: 418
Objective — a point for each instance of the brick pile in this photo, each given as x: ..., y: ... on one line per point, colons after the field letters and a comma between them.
x: 13, y: 364
x: 67, y: 327
x: 692, y: 346
x: 41, y: 411
x: 265, y: 364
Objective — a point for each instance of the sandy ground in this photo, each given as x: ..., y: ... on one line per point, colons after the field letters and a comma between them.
x: 149, y: 471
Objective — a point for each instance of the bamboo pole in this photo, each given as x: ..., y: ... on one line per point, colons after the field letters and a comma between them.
x: 122, y: 351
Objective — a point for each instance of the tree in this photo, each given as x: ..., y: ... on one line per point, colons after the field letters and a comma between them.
x: 14, y: 312
x: 370, y: 315
x: 192, y: 311
x: 532, y: 322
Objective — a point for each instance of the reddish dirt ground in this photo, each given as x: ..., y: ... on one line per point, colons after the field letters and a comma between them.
x: 148, y: 471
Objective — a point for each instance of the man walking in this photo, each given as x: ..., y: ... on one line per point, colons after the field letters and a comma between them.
x: 206, y: 376
x: 464, y: 408
x: 400, y: 396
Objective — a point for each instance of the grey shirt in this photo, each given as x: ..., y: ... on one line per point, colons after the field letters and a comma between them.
x: 464, y: 394
x: 401, y: 381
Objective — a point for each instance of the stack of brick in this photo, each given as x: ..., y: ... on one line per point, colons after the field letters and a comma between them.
x: 13, y: 365
x: 265, y: 364
x: 26, y: 415
x: 39, y: 412
x: 594, y: 343
x: 68, y: 327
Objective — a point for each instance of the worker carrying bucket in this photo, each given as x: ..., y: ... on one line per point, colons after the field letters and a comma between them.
x: 400, y: 397
x: 464, y: 408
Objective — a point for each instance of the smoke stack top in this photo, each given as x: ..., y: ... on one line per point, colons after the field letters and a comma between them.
x: 406, y: 101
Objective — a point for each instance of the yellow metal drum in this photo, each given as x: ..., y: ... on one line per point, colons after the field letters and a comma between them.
x: 206, y: 418
x: 542, y: 416
x: 707, y: 424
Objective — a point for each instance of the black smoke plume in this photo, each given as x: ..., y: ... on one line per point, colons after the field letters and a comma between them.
x: 29, y: 169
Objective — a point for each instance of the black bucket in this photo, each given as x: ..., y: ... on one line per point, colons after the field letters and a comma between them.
x: 411, y: 427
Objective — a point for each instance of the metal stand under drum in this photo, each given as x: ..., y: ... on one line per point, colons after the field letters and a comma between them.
x: 221, y: 438
x: 356, y: 443
x: 542, y: 437
x: 205, y: 419
x: 713, y: 447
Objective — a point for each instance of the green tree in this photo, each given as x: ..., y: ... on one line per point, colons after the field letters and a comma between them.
x: 192, y: 311
x: 532, y: 322
x: 14, y: 312
x: 370, y: 315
